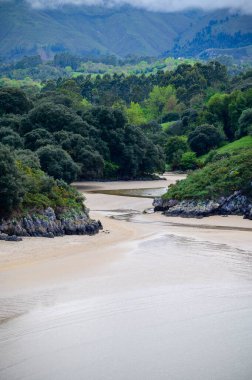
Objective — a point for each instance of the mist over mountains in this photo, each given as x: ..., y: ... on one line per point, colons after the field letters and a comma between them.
x: 45, y: 28
x: 158, y: 5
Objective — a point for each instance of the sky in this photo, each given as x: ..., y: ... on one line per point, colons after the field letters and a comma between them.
x: 245, y: 6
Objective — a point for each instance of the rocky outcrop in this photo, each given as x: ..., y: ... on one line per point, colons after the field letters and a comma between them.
x: 47, y: 224
x: 236, y: 204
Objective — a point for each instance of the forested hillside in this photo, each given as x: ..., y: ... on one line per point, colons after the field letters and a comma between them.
x: 81, y: 30
x: 111, y: 127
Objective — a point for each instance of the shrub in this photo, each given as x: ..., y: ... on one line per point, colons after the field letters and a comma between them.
x: 57, y: 163
x: 204, y: 138
x: 188, y: 161
x: 220, y: 178
x: 11, y: 181
x: 245, y: 123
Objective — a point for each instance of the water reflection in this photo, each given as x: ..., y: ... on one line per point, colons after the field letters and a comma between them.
x: 138, y: 193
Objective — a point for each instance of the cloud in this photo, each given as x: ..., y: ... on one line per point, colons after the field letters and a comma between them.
x: 245, y: 6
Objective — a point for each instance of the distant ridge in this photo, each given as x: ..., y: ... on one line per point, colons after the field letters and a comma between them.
x: 121, y: 31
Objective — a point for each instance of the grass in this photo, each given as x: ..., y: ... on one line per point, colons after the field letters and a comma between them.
x: 243, y: 143
x: 220, y: 178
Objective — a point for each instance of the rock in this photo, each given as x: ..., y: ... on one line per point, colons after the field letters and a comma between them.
x: 13, y: 238
x: 48, y: 224
x: 235, y: 204
x: 161, y: 204
x: 148, y: 211
x: 193, y: 209
x: 248, y: 213
x: 3, y: 236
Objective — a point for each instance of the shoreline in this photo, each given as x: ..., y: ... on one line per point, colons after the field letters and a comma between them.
x: 40, y: 263
x: 145, y: 298
x: 132, y: 225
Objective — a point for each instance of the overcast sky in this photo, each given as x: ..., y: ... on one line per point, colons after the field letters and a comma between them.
x: 155, y: 5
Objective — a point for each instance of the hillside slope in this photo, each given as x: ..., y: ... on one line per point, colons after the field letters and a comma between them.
x: 122, y: 31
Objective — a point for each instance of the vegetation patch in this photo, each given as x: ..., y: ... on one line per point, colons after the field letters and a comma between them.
x: 216, y: 179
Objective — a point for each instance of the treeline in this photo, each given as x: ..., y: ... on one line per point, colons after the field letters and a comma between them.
x: 188, y: 80
x: 187, y: 112
x: 75, y: 140
x: 110, y: 127
x: 66, y: 65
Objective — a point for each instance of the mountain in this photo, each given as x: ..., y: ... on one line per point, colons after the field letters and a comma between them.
x: 120, y: 30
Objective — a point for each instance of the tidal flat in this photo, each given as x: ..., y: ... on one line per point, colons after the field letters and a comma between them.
x: 150, y: 297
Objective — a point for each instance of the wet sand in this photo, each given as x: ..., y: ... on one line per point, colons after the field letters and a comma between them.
x: 151, y: 297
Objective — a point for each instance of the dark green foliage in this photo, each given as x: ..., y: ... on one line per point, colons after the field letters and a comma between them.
x: 91, y: 162
x: 170, y: 116
x: 176, y: 129
x: 66, y: 59
x: 111, y: 170
x: 37, y: 138
x: 53, y: 118
x: 11, y: 121
x: 154, y: 132
x: 24, y: 187
x: 204, y: 138
x: 10, y: 138
x: 226, y: 109
x: 13, y: 100
x: 27, y: 158
x: 134, y: 153
x: 57, y: 163
x: 217, y: 179
x: 28, y: 62
x: 42, y: 191
x: 72, y: 143
x: 71, y: 139
x: 12, y: 187
x: 245, y: 123
x: 55, y: 97
x: 174, y: 149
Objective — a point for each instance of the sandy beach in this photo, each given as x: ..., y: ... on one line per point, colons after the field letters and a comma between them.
x: 150, y: 297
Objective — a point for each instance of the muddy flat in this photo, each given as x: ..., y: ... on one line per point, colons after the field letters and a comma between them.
x: 150, y: 297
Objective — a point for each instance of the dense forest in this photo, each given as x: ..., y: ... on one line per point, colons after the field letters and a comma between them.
x: 118, y: 126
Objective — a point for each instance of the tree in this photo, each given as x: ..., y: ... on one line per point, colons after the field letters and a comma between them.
x: 13, y: 100
x: 188, y: 161
x: 57, y: 163
x: 92, y: 163
x: 218, y: 112
x: 11, y: 182
x: 174, y: 145
x: 245, y: 123
x: 38, y: 138
x: 161, y: 100
x: 11, y: 121
x: 204, y: 138
x: 135, y: 114
x: 27, y: 158
x: 11, y: 138
x: 53, y: 118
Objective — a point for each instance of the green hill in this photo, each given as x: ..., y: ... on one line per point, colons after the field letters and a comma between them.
x: 233, y: 147
x: 27, y: 31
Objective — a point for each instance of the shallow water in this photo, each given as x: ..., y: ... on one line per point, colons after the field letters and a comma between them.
x: 138, y: 193
x: 173, y: 308
x: 168, y: 307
